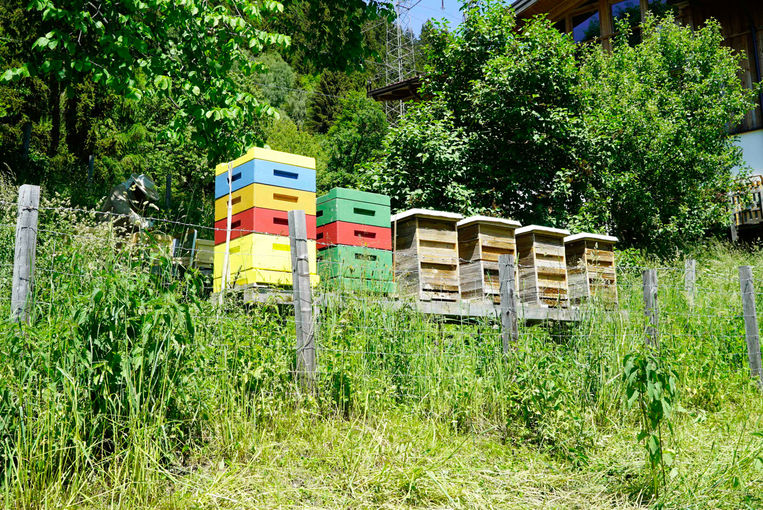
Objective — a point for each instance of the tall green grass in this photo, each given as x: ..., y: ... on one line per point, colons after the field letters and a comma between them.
x: 128, y: 369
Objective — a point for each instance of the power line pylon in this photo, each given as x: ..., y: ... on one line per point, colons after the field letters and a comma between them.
x: 399, y: 62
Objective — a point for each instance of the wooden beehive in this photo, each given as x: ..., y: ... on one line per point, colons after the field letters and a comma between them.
x: 591, y: 267
x: 542, y: 266
x: 426, y: 254
x: 481, y: 240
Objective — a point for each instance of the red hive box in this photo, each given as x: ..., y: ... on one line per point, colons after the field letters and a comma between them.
x: 264, y: 221
x: 354, y: 234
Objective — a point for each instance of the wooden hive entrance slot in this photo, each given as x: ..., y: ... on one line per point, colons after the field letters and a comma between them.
x: 591, y: 267
x: 481, y: 240
x: 542, y: 266
x: 426, y: 254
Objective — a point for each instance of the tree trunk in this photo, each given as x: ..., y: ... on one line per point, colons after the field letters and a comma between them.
x: 76, y: 136
x: 54, y: 107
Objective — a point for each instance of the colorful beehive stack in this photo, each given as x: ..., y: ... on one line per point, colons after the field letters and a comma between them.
x: 426, y: 254
x: 591, y: 267
x: 355, y: 240
x: 481, y: 240
x: 542, y: 266
x: 262, y: 187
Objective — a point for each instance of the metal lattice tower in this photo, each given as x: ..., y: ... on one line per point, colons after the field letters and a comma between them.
x: 399, y: 63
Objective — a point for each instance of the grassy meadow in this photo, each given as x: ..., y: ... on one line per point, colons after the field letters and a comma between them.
x: 132, y: 390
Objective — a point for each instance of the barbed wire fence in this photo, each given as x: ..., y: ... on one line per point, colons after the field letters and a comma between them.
x: 360, y: 347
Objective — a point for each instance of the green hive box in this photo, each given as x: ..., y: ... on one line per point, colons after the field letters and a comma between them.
x: 355, y: 262
x: 359, y: 285
x: 354, y: 206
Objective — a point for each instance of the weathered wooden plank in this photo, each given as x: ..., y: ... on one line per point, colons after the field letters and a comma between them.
x: 752, y: 334
x: 303, y: 298
x: 25, y: 252
x: 509, y: 325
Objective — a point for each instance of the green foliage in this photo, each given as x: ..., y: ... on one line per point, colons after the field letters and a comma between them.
x: 278, y: 81
x: 505, y: 94
x: 422, y: 162
x: 330, y: 35
x: 651, y: 385
x: 658, y: 112
x: 325, y: 101
x: 355, y: 138
x: 130, y: 381
x: 633, y: 142
x: 183, y: 52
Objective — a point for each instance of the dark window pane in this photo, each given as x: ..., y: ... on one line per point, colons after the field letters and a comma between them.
x: 662, y: 7
x: 586, y: 26
x: 561, y: 26
x: 629, y: 8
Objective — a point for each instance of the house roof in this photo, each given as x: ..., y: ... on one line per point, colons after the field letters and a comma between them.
x: 554, y: 8
x: 522, y: 5
x: 405, y: 90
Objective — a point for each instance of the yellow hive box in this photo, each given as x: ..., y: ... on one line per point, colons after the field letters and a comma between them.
x: 260, y: 251
x: 261, y: 276
x: 265, y: 197
x: 268, y: 155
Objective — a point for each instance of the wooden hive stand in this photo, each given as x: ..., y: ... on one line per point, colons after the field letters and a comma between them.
x: 481, y: 240
x: 591, y: 267
x: 542, y: 266
x: 426, y: 254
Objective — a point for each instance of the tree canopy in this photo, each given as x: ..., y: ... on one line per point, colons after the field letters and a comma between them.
x: 524, y: 123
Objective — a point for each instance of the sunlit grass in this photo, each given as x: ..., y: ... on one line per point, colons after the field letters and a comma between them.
x: 131, y: 389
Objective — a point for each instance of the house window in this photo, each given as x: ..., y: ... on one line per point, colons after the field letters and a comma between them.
x: 627, y: 8
x: 586, y: 26
x: 662, y: 7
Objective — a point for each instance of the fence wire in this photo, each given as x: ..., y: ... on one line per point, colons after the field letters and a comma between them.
x: 367, y: 350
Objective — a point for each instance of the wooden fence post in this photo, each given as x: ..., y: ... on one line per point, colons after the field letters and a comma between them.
x: 26, y: 246
x: 303, y: 298
x: 650, y: 306
x: 747, y: 288
x: 690, y: 279
x: 509, y: 326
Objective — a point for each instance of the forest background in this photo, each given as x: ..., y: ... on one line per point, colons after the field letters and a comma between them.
x: 519, y: 120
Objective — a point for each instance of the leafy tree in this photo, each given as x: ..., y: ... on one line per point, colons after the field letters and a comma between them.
x: 525, y: 124
x: 185, y: 52
x: 279, y: 80
x: 194, y: 53
x: 658, y: 112
x: 424, y: 162
x: 332, y: 35
x: 510, y: 91
x: 325, y: 101
x: 355, y: 139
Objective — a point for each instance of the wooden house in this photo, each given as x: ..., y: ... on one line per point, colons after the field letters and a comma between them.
x: 741, y: 22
